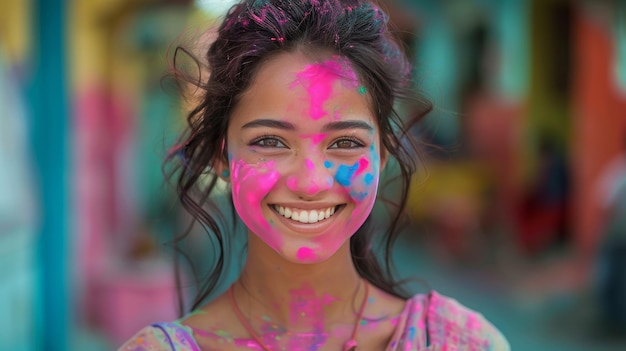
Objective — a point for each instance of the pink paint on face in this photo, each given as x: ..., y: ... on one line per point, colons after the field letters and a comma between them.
x: 319, y: 80
x: 315, y: 138
x: 292, y: 183
x: 313, y: 187
x: 305, y: 254
x: 309, y: 164
x: 362, y: 187
x: 250, y: 185
x: 303, y: 170
x: 336, y: 115
x: 363, y: 163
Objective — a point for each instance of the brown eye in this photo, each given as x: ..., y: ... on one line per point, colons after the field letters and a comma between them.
x: 346, y: 143
x: 343, y: 144
x: 268, y: 141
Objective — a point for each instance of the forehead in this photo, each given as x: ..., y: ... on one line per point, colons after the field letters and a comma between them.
x: 293, y: 86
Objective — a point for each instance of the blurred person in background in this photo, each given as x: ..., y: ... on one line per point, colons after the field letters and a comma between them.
x: 611, y: 277
x: 297, y: 117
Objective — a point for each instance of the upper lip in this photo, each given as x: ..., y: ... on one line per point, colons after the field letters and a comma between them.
x: 307, y: 206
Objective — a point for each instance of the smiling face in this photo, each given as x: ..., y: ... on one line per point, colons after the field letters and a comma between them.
x: 304, y: 156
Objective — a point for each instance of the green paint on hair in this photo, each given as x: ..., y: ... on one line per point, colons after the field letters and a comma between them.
x: 362, y: 90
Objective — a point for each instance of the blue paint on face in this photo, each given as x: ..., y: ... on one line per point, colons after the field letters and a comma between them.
x: 328, y: 164
x: 344, y: 174
x: 358, y: 196
x: 368, y: 179
x: 375, y: 158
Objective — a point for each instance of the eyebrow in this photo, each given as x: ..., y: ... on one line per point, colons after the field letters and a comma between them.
x: 350, y: 124
x: 332, y: 126
x: 269, y: 123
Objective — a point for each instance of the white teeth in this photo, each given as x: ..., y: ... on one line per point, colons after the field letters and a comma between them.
x: 304, y: 216
x: 312, y: 216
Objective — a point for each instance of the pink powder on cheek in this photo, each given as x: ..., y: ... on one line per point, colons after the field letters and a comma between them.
x: 255, y: 179
x: 362, y: 166
x: 250, y: 185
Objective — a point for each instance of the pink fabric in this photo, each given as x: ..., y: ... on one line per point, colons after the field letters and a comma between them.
x: 428, y: 323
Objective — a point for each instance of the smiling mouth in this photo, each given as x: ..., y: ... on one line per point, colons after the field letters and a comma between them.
x: 306, y: 216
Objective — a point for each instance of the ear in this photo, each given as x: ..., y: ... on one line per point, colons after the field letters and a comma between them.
x: 222, y: 170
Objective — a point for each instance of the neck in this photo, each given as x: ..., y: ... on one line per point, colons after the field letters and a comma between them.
x: 299, y: 297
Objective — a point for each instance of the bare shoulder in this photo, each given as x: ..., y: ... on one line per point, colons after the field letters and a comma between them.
x: 146, y: 339
x: 448, y: 319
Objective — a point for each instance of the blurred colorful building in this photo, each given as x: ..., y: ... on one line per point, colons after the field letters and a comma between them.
x: 530, y: 114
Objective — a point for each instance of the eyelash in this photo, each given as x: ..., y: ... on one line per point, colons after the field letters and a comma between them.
x: 358, y: 143
x: 256, y: 142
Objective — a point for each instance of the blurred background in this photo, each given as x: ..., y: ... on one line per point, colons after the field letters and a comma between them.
x: 520, y: 212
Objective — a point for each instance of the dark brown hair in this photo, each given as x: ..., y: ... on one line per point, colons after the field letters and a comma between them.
x: 254, y: 31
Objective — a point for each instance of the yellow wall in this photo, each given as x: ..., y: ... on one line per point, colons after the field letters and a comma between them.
x: 89, y: 31
x: 15, y: 28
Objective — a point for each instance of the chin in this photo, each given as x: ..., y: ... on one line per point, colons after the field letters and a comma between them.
x: 310, y: 253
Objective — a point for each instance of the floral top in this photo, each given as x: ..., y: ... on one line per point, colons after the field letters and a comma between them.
x: 428, y: 323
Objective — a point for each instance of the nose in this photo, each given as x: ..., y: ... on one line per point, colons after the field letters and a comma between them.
x: 310, y: 177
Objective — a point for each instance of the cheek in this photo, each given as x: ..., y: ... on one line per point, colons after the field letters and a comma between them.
x: 359, y: 179
x: 251, y: 183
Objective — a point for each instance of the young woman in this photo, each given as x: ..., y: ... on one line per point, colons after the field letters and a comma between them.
x: 298, y: 118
